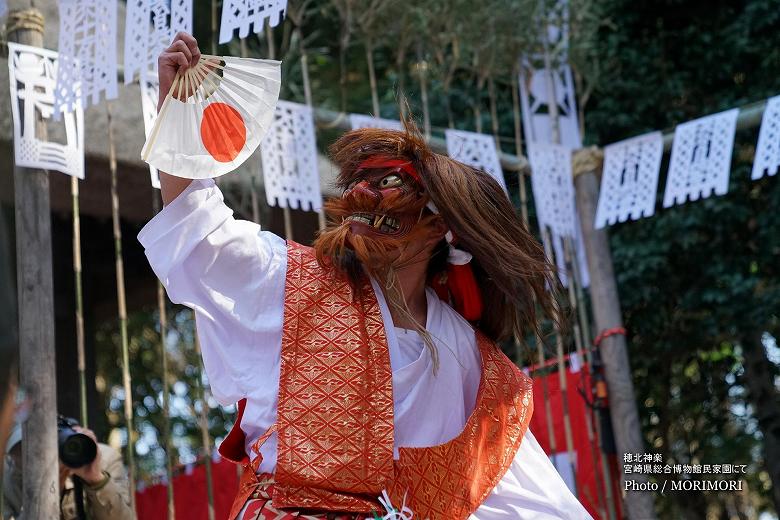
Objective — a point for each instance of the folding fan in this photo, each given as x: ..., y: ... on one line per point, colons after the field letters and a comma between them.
x: 214, y: 116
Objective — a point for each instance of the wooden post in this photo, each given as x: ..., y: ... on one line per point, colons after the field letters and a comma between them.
x: 36, y: 307
x: 203, y: 421
x: 606, y: 310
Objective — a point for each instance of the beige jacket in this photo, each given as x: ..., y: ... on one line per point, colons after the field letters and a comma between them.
x: 109, y: 502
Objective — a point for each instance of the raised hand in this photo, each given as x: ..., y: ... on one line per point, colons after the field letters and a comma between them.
x: 183, y: 53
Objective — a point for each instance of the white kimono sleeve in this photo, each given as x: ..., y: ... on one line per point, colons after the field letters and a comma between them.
x: 232, y: 274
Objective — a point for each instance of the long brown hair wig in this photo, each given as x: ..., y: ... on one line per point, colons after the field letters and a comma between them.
x: 508, y: 263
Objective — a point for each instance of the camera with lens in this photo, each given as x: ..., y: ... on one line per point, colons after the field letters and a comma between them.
x: 76, y: 449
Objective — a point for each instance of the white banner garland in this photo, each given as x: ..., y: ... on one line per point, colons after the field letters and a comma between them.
x: 149, y: 93
x: 363, y: 121
x: 476, y: 150
x: 767, y: 159
x: 240, y: 14
x: 32, y: 73
x: 553, y: 187
x: 150, y: 26
x: 629, y: 182
x: 289, y: 153
x: 701, y: 158
x: 87, y: 53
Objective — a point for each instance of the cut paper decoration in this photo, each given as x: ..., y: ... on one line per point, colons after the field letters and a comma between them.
x: 767, y: 161
x: 535, y: 101
x: 240, y: 14
x: 476, y: 150
x: 150, y: 26
x: 228, y: 105
x: 357, y: 121
x: 87, y: 53
x: 32, y: 72
x: 289, y: 154
x: 629, y: 181
x: 553, y: 187
x: 701, y: 158
x: 149, y: 92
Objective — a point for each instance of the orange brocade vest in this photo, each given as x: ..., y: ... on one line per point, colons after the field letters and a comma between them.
x: 335, y: 412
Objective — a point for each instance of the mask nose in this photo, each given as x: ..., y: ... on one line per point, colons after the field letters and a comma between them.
x: 364, y: 189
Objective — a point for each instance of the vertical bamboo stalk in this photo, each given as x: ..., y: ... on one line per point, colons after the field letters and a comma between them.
x: 163, y: 322
x: 308, y: 99
x: 372, y: 77
x: 519, y: 145
x: 214, y: 38
x: 557, y: 316
x: 269, y: 37
x: 252, y: 183
x: 204, y: 428
x: 422, y: 70
x: 81, y: 363
x: 121, y: 302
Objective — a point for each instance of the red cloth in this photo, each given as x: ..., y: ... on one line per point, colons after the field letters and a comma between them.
x: 190, y: 494
x: 588, y: 472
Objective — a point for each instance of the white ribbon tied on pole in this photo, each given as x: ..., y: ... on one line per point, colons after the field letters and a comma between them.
x: 701, y: 158
x: 32, y: 73
x: 289, y: 154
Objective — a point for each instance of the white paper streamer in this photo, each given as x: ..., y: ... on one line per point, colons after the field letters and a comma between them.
x: 553, y: 187
x: 701, y: 158
x: 767, y: 159
x: 289, y: 153
x: 149, y: 92
x: 149, y: 28
x: 362, y: 121
x: 629, y: 181
x: 240, y: 14
x: 534, y: 99
x: 32, y: 73
x: 87, y: 53
x: 476, y: 150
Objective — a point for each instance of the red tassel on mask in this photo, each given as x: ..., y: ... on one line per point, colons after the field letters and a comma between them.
x: 459, y: 287
x: 466, y: 297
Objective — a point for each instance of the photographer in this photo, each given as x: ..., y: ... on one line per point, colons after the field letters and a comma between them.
x: 97, y: 490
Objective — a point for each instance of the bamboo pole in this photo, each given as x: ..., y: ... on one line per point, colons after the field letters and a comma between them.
x: 35, y: 289
x: 308, y: 98
x: 122, y: 305
x: 269, y: 37
x: 163, y: 322
x: 372, y: 76
x: 547, y: 242
x: 422, y: 71
x: 81, y: 361
x: 519, y: 144
x: 203, y: 420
